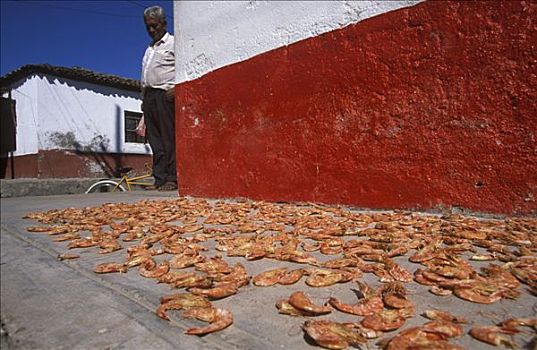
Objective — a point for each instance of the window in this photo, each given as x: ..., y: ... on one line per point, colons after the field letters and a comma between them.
x: 131, y: 122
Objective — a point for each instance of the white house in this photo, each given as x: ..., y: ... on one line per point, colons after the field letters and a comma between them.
x: 70, y: 122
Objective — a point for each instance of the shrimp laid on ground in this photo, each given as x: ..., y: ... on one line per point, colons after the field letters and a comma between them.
x: 39, y: 229
x: 150, y: 269
x: 82, y: 243
x: 443, y: 316
x: 302, y: 302
x: 446, y: 328
x: 479, y: 292
x: 365, y: 332
x: 291, y: 277
x: 385, y: 320
x: 193, y: 281
x: 180, y: 301
x: 483, y: 257
x: 364, y: 307
x: 419, y: 338
x: 324, y: 278
x: 370, y: 304
x: 68, y: 256
x: 109, y: 246
x: 222, y: 290
x: 516, y: 322
x: 332, y: 246
x: 137, y: 260
x: 494, y: 335
x: 436, y: 290
x: 66, y: 237
x: 332, y: 335
x: 427, y: 252
x: 184, y: 261
x: 205, y: 314
x: 269, y: 278
x: 110, y: 267
x: 396, y: 271
x: 214, y: 265
x: 219, y: 319
x: 500, y: 277
x: 421, y: 277
x: 342, y: 262
x: 394, y: 295
x: 285, y: 308
x: 174, y: 276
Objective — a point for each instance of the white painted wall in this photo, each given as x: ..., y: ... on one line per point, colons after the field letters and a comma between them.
x: 214, y: 34
x: 53, y: 112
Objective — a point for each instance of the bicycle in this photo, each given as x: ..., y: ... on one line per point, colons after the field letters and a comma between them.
x: 109, y: 185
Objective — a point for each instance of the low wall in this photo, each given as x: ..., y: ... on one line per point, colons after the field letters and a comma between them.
x: 56, y: 164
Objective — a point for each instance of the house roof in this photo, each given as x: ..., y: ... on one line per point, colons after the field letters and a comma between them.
x: 75, y: 73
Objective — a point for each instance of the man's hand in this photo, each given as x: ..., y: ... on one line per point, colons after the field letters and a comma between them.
x: 170, y: 94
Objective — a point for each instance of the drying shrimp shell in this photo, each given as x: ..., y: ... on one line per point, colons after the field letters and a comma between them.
x: 68, y: 256
x: 222, y: 319
x: 302, y: 302
x: 512, y: 323
x: 150, y: 269
x: 321, y: 333
x: 110, y: 267
x: 82, y: 243
x: 284, y: 307
x: 483, y: 257
x: 192, y: 228
x: 323, y: 278
x: 473, y: 295
x: 180, y: 301
x: 445, y: 328
x: 223, y: 290
x: 436, y: 290
x: 39, y: 229
x: 333, y: 335
x: 364, y: 307
x: 205, y: 314
x: 493, y: 335
x: 386, y: 320
x: 184, y: 261
x: 443, y: 316
x: 269, y: 278
x: 291, y: 277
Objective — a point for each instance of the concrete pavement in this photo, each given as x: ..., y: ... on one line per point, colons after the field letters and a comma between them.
x: 43, y: 187
x: 52, y: 304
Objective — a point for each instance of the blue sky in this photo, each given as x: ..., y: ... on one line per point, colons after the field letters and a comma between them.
x: 104, y: 36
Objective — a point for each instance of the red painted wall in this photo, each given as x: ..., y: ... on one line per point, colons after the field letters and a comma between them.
x: 425, y: 107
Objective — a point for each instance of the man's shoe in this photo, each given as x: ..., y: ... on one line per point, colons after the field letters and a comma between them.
x: 168, y: 186
x: 152, y: 187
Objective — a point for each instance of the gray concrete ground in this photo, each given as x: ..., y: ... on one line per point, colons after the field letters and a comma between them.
x: 52, y: 304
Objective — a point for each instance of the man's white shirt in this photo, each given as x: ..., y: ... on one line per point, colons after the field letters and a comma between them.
x: 158, y: 64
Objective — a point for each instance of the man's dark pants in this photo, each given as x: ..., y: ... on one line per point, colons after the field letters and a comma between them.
x: 159, y: 115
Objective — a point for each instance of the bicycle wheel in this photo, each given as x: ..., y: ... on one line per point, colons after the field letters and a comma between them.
x: 104, y: 186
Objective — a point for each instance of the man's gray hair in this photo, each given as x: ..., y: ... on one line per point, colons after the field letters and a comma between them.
x: 155, y: 12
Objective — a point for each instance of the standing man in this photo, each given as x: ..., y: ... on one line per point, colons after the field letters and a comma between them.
x: 158, y: 84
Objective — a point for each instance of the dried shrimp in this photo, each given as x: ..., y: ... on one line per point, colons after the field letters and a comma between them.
x: 477, y: 260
